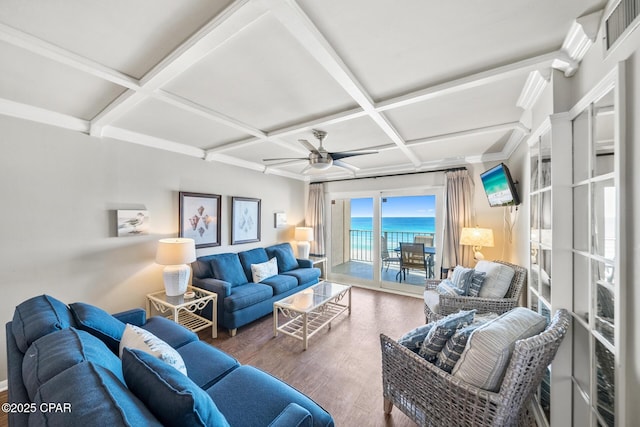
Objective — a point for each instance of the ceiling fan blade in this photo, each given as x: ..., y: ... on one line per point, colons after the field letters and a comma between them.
x: 345, y: 154
x: 308, y: 145
x: 344, y: 165
x: 285, y: 158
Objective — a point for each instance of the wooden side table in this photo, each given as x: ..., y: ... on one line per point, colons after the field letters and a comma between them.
x: 182, y: 310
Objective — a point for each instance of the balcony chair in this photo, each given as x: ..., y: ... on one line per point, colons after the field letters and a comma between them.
x: 412, y: 257
x: 386, y: 255
x: 433, y: 397
x: 428, y: 242
x: 451, y: 304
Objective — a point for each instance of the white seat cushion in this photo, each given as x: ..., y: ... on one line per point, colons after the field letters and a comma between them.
x: 432, y: 300
x: 497, y: 280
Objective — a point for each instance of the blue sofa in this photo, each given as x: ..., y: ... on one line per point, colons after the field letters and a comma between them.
x: 240, y: 300
x: 62, y: 370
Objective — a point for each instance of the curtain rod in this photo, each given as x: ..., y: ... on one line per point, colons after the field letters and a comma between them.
x: 390, y: 175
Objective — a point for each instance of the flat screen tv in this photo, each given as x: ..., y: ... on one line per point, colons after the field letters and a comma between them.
x: 500, y: 188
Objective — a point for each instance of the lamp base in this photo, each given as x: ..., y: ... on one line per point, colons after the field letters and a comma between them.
x: 176, y: 279
x: 477, y: 255
x: 303, y: 249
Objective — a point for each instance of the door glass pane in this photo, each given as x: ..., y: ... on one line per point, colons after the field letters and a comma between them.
x: 545, y: 160
x: 603, y: 221
x: 351, y: 234
x: 603, y: 135
x: 409, y: 219
x: 580, y: 218
x: 581, y: 286
x: 545, y: 218
x: 581, y: 147
x: 605, y: 371
x: 605, y: 298
x: 581, y: 409
x: 545, y: 274
x: 534, y: 159
x: 581, y: 351
x: 534, y: 218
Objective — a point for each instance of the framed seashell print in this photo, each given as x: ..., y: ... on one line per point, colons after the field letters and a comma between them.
x: 199, y: 217
x: 245, y: 220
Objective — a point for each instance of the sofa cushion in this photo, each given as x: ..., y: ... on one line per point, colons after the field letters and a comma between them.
x: 476, y: 283
x: 304, y: 275
x: 497, y: 280
x: 252, y: 256
x: 281, y: 283
x: 172, y: 397
x: 140, y: 339
x: 169, y: 331
x: 293, y: 415
x: 227, y: 267
x: 441, y: 331
x: 487, y: 354
x: 93, y: 395
x: 55, y: 352
x: 414, y: 338
x: 264, y: 270
x: 206, y: 364
x: 98, y: 323
x: 247, y: 295
x: 37, y: 317
x: 245, y: 384
x: 284, y: 253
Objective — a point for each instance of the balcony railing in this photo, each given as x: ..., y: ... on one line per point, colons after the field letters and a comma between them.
x: 361, y: 242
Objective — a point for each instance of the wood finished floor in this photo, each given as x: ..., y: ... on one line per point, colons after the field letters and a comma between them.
x: 341, y: 370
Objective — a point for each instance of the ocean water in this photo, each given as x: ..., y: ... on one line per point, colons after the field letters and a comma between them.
x: 397, y: 224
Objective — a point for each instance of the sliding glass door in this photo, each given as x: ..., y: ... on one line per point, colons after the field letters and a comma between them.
x: 367, y: 232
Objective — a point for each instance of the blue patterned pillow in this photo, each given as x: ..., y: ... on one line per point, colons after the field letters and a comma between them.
x: 446, y: 287
x: 461, y: 278
x: 414, y: 338
x: 441, y: 331
x: 477, y: 280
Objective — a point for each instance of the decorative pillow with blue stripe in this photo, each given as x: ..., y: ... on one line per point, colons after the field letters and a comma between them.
x: 446, y: 287
x: 476, y: 283
x: 414, y: 338
x: 441, y: 331
x: 461, y: 278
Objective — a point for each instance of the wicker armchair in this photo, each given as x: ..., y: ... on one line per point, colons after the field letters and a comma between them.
x: 452, y: 304
x: 432, y: 397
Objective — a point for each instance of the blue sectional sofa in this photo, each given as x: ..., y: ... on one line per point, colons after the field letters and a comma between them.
x: 240, y: 300
x: 64, y: 370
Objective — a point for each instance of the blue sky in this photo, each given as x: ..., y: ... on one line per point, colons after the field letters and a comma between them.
x: 404, y: 206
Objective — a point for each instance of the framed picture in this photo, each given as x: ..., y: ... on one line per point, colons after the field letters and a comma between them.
x: 199, y: 216
x: 132, y: 222
x: 280, y: 220
x: 245, y: 220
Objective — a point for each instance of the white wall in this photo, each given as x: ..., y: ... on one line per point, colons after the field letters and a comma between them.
x: 59, y: 190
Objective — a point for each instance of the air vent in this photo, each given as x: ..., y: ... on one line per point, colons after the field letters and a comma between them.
x: 620, y: 19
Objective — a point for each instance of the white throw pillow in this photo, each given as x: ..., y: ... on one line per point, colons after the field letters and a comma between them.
x: 497, y: 281
x: 264, y: 270
x: 141, y: 339
x: 488, y: 350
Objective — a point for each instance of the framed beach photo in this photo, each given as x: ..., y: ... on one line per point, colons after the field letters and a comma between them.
x: 199, y: 217
x: 245, y: 220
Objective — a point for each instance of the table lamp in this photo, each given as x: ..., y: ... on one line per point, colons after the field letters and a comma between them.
x: 303, y: 236
x: 477, y: 237
x: 175, y: 254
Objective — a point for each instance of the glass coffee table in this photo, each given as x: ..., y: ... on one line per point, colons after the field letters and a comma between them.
x: 310, y: 310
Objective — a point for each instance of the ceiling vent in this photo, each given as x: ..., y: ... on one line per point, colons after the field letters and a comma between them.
x: 620, y: 19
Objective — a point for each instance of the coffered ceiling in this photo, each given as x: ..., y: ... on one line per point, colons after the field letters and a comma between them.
x: 427, y: 84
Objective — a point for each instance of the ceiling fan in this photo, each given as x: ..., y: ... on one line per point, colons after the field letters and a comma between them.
x: 320, y: 159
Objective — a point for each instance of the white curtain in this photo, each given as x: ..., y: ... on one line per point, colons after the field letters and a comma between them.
x: 458, y: 191
x: 315, y: 218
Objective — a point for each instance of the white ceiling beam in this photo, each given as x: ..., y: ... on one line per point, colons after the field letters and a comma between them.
x: 471, y: 81
x: 291, y: 16
x: 504, y: 127
x: 151, y: 141
x: 123, y: 103
x: 45, y: 49
x: 42, y: 115
x: 318, y: 123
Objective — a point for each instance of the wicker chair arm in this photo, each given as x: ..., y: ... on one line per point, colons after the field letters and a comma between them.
x: 424, y: 392
x: 452, y: 304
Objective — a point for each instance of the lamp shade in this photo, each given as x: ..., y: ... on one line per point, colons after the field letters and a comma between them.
x: 482, y: 237
x: 176, y: 251
x: 304, y: 234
